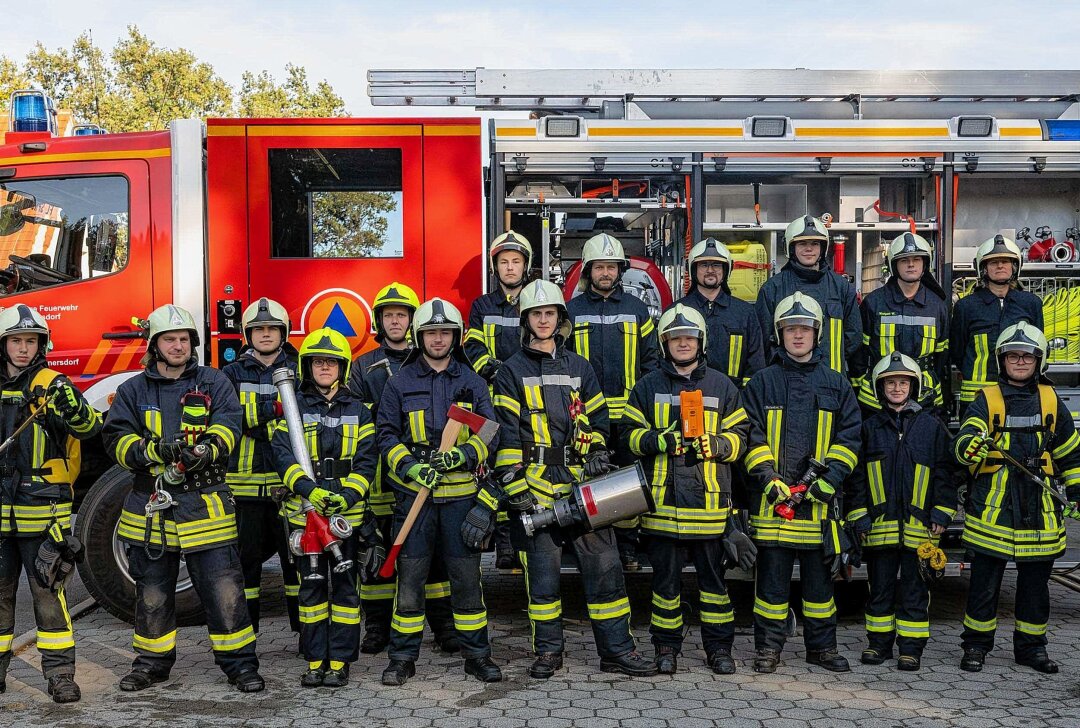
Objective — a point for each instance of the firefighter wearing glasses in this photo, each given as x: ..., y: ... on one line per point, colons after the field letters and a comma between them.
x: 174, y: 426
x: 340, y: 439
x: 735, y: 343
x: 495, y: 335
x: 804, y: 437
x: 1018, y: 424
x: 412, y: 415
x: 909, y: 314
x: 901, y: 496
x: 809, y: 272
x: 252, y: 475
x: 691, y: 484
x: 553, y: 433
x: 996, y: 303
x: 393, y: 311
x: 36, y: 475
x: 613, y: 331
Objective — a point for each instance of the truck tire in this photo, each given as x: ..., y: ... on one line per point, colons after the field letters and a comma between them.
x: 104, y: 570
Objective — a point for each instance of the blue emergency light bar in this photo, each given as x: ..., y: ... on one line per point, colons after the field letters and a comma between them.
x: 1062, y: 130
x: 32, y: 111
x: 88, y: 130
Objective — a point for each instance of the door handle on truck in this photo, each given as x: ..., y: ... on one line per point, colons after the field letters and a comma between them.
x: 124, y: 335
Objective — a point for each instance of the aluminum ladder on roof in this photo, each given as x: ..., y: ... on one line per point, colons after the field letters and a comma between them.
x: 731, y: 93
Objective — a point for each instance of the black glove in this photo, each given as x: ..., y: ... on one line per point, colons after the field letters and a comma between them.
x: 738, y: 547
x: 370, y: 560
x: 489, y: 370
x: 478, y: 526
x: 523, y: 502
x: 66, y: 402
x: 199, y: 456
x: 169, y: 451
x: 598, y: 463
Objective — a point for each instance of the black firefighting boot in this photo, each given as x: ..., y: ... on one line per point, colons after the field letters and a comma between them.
x: 829, y: 659
x: 721, y: 661
x: 633, y: 664
x: 63, y: 689
x: 483, y: 669
x: 1039, y: 661
x: 398, y: 672
x: 973, y: 660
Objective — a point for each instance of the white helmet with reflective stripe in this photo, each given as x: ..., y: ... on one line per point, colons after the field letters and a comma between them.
x: 511, y: 241
x: 1025, y: 338
x: 171, y: 318
x: 807, y: 227
x: 602, y: 247
x: 897, y: 364
x: 996, y: 248
x: 537, y: 294
x: 910, y: 245
x: 265, y: 312
x: 710, y: 249
x: 681, y: 320
x: 798, y: 309
x: 19, y: 318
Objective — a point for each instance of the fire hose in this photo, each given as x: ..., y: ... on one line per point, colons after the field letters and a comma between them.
x: 320, y: 534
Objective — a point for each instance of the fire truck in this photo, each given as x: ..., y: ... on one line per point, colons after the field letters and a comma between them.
x: 319, y: 214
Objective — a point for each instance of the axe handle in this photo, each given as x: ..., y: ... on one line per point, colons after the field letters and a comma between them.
x: 449, y: 437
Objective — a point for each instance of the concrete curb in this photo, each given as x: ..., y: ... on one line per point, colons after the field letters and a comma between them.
x: 26, y: 639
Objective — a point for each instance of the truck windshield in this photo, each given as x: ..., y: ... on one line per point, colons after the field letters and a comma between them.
x: 57, y: 230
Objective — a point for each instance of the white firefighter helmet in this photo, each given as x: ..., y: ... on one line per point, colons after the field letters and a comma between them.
x: 710, y: 249
x: 807, y: 227
x: 996, y: 248
x: 910, y: 245
x: 798, y: 309
x: 602, y: 247
x: 436, y: 314
x: 171, y: 318
x: 1025, y: 338
x: 511, y: 241
x: 897, y: 364
x: 537, y: 294
x: 19, y: 318
x: 329, y: 344
x: 682, y: 320
x: 265, y: 312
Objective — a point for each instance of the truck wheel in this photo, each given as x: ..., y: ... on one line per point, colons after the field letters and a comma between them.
x: 105, y: 568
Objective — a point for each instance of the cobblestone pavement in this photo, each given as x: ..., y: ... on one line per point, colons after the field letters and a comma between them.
x: 441, y: 695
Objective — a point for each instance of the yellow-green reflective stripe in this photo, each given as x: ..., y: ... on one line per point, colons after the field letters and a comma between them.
x: 545, y: 612
x: 818, y: 610
x: 880, y: 624
x: 407, y: 625
x: 922, y: 481
x: 5, y: 642
x: 666, y: 622
x: 344, y: 615
x: 251, y: 592
x: 974, y: 624
x: 982, y: 354
x: 770, y: 611
x: 61, y: 640
x: 719, y: 617
x: 1031, y: 628
x: 718, y: 599
x: 437, y: 590
x: 877, y: 482
x: 906, y: 628
x: 233, y: 640
x: 470, y: 622
x: 165, y: 643
x: 417, y: 427
x: 378, y: 591
x: 610, y: 610
x: 734, y: 355
x: 314, y: 613
x: 661, y: 603
x: 774, y: 420
x: 836, y: 344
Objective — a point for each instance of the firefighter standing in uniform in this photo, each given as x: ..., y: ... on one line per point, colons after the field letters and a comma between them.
x: 553, y: 432
x: 808, y: 271
x: 799, y: 408
x: 340, y: 440
x: 1006, y: 515
x: 412, y: 415
x: 494, y: 336
x: 393, y: 311
x: 909, y: 314
x: 36, y: 476
x: 735, y: 344
x: 691, y: 485
x: 179, y: 414
x: 996, y: 303
x: 613, y: 331
x: 252, y: 474
x: 901, y: 496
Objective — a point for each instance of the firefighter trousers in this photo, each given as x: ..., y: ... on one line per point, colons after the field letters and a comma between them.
x: 899, y: 603
x: 601, y: 580
x: 330, y: 607
x: 667, y: 556
x: 1032, y: 604
x: 775, y: 565
x: 377, y: 596
x: 437, y: 530
x: 261, y: 534
x: 55, y: 640
x: 215, y: 573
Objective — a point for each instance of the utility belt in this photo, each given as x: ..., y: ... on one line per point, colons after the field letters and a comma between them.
x: 422, y: 452
x: 211, y: 476
x: 331, y: 468
x: 563, y: 456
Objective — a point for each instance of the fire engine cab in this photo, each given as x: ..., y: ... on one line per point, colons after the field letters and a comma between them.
x: 98, y: 229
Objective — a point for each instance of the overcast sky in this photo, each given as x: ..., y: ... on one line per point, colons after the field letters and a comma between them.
x: 340, y: 40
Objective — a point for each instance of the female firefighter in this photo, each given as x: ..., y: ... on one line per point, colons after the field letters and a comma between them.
x: 804, y: 434
x: 1016, y: 437
x: 901, y: 496
x: 691, y: 483
x: 340, y: 439
x: 36, y: 475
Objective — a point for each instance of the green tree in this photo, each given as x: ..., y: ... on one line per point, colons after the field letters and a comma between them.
x: 11, y: 79
x: 77, y: 78
x: 261, y: 96
x: 350, y: 224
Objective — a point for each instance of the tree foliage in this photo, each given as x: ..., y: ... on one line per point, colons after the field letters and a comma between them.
x: 261, y: 96
x: 351, y: 224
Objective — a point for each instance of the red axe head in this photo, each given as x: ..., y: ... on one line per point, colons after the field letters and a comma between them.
x: 480, y: 426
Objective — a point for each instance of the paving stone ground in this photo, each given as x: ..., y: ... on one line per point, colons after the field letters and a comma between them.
x: 441, y: 695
